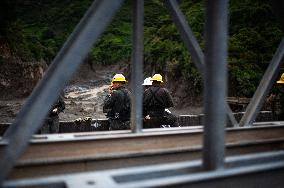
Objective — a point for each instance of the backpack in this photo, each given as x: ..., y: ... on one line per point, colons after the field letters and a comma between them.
x: 155, y: 102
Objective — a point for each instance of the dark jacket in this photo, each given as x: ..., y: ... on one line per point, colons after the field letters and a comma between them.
x: 117, y: 104
x: 156, y: 99
x: 277, y: 106
x: 59, y: 104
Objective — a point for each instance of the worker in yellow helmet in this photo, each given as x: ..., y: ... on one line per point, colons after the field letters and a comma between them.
x: 117, y: 104
x: 277, y: 100
x: 156, y: 100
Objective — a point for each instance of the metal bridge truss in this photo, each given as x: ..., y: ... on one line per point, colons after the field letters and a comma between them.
x: 214, y: 169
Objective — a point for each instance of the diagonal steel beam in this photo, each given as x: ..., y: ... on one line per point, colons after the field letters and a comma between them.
x: 231, y: 117
x: 32, y: 114
x: 263, y: 88
x: 192, y: 44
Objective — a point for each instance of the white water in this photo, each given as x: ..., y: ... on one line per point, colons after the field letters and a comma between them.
x: 92, y: 94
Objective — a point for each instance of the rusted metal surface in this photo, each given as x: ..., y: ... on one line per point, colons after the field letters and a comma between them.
x: 67, y: 153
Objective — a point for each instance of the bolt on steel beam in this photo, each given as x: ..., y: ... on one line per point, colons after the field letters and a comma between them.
x: 192, y: 44
x: 264, y: 86
x: 60, y: 71
x: 216, y: 29
x: 137, y: 67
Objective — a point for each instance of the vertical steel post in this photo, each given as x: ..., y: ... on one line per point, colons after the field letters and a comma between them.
x: 215, y: 83
x: 263, y: 88
x: 73, y: 52
x: 137, y: 67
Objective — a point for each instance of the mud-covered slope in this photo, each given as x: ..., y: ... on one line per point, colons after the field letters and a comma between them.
x: 85, y: 93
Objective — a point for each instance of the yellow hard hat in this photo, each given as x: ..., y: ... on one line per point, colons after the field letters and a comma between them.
x: 281, y: 80
x: 157, y: 77
x: 118, y: 78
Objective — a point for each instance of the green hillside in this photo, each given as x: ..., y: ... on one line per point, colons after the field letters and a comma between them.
x: 36, y: 29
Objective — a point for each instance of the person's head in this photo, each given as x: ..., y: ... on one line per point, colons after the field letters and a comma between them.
x: 280, y: 83
x: 147, y: 83
x: 157, y: 80
x: 118, y: 80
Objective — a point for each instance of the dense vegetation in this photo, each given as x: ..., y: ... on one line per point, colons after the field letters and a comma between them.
x: 36, y: 29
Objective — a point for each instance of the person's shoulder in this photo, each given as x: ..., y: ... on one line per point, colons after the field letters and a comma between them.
x: 164, y: 89
x: 115, y: 92
x: 120, y: 91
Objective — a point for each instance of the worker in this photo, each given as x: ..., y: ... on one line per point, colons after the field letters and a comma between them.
x: 155, y: 103
x: 51, y: 124
x: 277, y: 101
x: 117, y: 104
x: 146, y: 85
